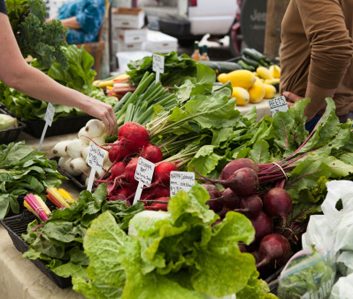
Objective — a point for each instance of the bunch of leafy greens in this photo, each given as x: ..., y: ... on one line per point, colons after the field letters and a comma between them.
x: 176, y: 69
x: 58, y: 242
x: 78, y: 75
x: 37, y: 38
x: 23, y: 170
x: 182, y: 253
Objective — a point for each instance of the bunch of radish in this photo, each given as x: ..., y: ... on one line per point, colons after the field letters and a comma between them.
x: 134, y: 142
x: 72, y: 154
x: 267, y: 208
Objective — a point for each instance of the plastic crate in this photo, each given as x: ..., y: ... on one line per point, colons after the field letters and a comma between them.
x: 16, y: 226
x: 63, y: 125
x: 12, y: 134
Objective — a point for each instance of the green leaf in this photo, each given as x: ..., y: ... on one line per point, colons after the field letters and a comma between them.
x: 260, y: 152
x: 205, y: 161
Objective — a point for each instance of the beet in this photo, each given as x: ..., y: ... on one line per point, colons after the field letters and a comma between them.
x: 274, y: 248
x: 215, y: 205
x: 252, y: 205
x: 277, y: 202
x: 212, y: 191
x: 152, y: 153
x: 263, y: 225
x: 237, y: 164
x: 229, y: 199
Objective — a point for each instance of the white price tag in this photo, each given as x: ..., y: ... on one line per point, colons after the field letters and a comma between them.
x: 158, y: 65
x: 95, y: 157
x: 181, y: 180
x: 144, y: 175
x: 278, y: 104
x: 49, y: 114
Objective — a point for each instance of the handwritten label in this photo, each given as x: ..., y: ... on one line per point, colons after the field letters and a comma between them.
x: 278, y: 104
x: 95, y: 157
x: 144, y: 171
x: 158, y: 65
x: 49, y: 114
x: 181, y: 180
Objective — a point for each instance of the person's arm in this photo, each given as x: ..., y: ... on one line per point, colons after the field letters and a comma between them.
x: 331, y: 49
x: 16, y: 73
x: 71, y: 23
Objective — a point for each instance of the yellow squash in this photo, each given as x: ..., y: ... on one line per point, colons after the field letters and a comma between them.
x: 264, y: 73
x: 257, y: 92
x: 238, y: 78
x: 270, y: 91
x: 241, y: 96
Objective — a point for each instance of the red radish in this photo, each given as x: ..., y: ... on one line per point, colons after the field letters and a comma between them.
x: 263, y: 225
x: 237, y: 164
x: 244, y: 182
x: 230, y: 199
x: 121, y: 194
x: 117, y: 169
x: 129, y: 174
x: 155, y: 192
x: 152, y: 153
x: 251, y: 205
x: 160, y: 203
x: 133, y: 136
x: 162, y: 173
x: 118, y: 152
x: 273, y: 248
x: 277, y: 202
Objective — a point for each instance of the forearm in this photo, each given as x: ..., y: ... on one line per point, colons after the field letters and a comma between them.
x: 37, y: 85
x: 71, y: 23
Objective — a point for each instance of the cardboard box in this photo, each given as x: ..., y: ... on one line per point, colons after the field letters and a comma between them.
x: 133, y: 18
x: 160, y: 42
x: 131, y: 36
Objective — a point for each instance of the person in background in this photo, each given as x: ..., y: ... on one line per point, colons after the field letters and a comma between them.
x: 317, y: 55
x: 16, y: 73
x: 83, y: 19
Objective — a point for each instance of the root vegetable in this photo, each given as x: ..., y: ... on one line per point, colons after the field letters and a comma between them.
x: 212, y: 191
x: 133, y: 136
x: 273, y: 247
x: 59, y: 150
x: 117, y: 170
x: 84, y: 136
x: 84, y: 152
x: 155, y: 192
x: 160, y: 204
x: 152, y: 153
x: 237, y: 164
x: 74, y: 148
x: 118, y: 152
x: 277, y: 202
x: 252, y: 205
x: 162, y: 173
x: 78, y: 166
x: 263, y: 225
x: 230, y: 199
x: 95, y: 128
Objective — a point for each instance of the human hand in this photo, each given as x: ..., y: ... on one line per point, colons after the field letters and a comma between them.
x: 102, y: 111
x: 292, y: 98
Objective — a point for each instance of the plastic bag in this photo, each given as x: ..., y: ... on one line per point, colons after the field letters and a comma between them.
x: 307, y: 275
x: 343, y: 289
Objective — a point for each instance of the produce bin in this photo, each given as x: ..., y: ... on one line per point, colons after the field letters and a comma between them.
x: 61, y: 126
x: 16, y: 226
x: 10, y: 135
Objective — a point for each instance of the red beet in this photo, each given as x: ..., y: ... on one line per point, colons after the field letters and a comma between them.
x: 152, y: 153
x: 263, y: 225
x: 274, y: 248
x: 251, y: 205
x: 212, y: 191
x: 229, y: 199
x: 237, y: 164
x: 277, y: 202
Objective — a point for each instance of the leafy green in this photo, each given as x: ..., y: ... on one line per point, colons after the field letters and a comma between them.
x: 176, y: 69
x: 23, y: 170
x: 58, y: 242
x: 40, y: 39
x: 174, y: 254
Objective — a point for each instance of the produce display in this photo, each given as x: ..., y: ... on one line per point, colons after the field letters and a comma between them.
x: 234, y: 230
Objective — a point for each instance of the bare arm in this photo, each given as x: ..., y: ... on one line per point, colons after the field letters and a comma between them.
x: 70, y: 23
x: 19, y: 75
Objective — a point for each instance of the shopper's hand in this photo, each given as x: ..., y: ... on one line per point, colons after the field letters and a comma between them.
x: 102, y: 111
x: 310, y: 111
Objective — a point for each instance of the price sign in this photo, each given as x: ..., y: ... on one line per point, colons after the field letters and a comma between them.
x: 278, y: 104
x: 95, y: 160
x: 144, y: 175
x: 49, y: 116
x: 158, y: 65
x: 181, y: 180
